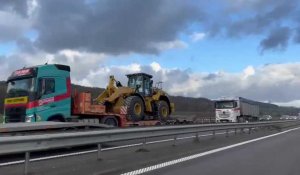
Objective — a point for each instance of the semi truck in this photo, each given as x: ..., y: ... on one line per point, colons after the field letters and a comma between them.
x: 44, y: 93
x: 236, y: 110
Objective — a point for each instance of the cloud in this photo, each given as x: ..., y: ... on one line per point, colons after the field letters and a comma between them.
x: 297, y: 35
x: 277, y: 39
x: 248, y: 71
x: 16, y: 18
x: 162, y: 46
x: 111, y: 26
x: 17, y: 6
x: 85, y: 34
x: 155, y: 66
x: 278, y: 83
x: 148, y: 27
x: 12, y: 26
x: 197, y: 36
x: 81, y: 63
x: 266, y: 19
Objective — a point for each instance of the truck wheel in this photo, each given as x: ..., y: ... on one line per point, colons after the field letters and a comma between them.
x: 241, y: 120
x: 110, y: 120
x: 135, y: 108
x: 162, y: 111
x: 56, y: 119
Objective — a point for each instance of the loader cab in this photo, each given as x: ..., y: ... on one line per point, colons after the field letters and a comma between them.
x: 142, y: 82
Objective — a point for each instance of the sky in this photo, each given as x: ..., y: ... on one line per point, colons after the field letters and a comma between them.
x: 211, y: 49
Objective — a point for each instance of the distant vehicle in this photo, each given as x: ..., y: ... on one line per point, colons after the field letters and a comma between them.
x: 236, y: 110
x: 288, y: 117
x: 284, y: 117
x: 265, y: 118
x: 293, y: 117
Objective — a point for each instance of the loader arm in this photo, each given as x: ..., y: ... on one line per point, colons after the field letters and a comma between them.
x: 110, y: 89
x: 122, y: 91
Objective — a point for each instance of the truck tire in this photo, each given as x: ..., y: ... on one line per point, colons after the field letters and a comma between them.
x: 162, y: 111
x: 242, y: 119
x: 135, y: 108
x: 56, y: 118
x: 110, y: 120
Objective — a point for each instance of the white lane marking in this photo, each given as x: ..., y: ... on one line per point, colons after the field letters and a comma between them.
x: 176, y: 161
x: 104, y: 149
x: 48, y: 157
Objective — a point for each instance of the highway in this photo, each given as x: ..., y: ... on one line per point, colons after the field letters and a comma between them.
x: 276, y: 155
x: 129, y: 159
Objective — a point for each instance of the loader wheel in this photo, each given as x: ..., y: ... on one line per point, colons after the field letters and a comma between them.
x: 135, y: 108
x: 162, y: 110
x: 110, y: 120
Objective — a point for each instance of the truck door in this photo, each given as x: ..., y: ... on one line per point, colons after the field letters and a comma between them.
x: 46, y: 93
x: 54, y: 98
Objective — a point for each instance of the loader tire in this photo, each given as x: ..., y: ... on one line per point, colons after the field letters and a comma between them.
x: 135, y: 108
x: 162, y: 111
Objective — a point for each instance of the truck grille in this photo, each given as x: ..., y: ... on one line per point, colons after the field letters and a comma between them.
x: 15, y: 114
x: 224, y: 115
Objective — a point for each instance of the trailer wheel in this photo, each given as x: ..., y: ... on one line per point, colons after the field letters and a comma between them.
x: 110, y: 120
x: 162, y: 111
x: 135, y: 108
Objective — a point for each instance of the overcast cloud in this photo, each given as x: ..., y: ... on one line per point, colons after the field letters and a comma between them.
x: 112, y: 26
x: 133, y: 26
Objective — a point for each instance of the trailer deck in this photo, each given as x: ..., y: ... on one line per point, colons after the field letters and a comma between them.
x: 23, y: 128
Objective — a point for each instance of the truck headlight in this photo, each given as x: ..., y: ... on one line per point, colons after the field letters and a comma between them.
x: 29, y: 118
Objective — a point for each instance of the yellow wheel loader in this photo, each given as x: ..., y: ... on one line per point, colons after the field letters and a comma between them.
x: 142, y: 101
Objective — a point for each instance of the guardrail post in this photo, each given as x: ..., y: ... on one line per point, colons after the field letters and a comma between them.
x: 99, y: 151
x: 143, y: 146
x: 144, y: 143
x: 174, y: 141
x: 27, y: 160
x: 197, y: 137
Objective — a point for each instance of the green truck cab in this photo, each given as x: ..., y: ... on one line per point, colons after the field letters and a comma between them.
x: 40, y: 93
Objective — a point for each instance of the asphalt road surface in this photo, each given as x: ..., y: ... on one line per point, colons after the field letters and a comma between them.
x: 278, y: 155
x: 129, y: 159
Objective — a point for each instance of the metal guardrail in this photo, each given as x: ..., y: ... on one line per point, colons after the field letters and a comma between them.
x: 32, y: 143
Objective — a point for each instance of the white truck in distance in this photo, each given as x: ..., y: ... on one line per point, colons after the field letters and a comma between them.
x: 236, y: 110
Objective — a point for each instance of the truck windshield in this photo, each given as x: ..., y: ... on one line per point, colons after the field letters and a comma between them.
x: 225, y: 104
x: 21, y: 87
